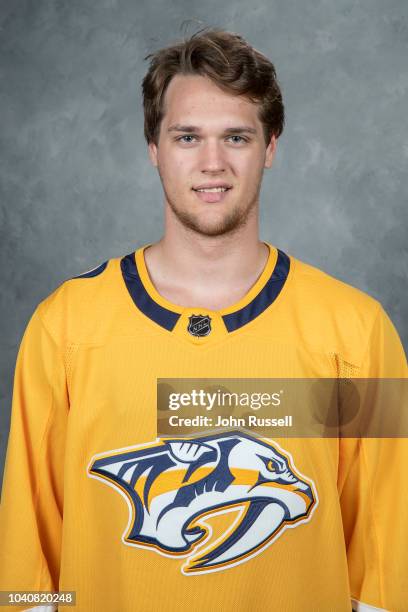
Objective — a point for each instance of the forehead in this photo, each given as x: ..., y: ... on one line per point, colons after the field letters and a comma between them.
x: 200, y: 100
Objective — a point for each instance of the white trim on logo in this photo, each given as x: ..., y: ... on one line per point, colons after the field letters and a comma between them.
x: 359, y: 606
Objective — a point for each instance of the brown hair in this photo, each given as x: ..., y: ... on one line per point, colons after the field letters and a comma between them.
x: 229, y: 61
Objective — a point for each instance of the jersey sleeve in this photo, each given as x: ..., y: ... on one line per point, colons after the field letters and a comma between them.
x: 373, y: 489
x: 31, y: 507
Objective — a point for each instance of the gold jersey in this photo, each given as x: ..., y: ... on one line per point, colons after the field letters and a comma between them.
x: 94, y: 501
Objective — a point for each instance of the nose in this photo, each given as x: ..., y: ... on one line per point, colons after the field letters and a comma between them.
x: 212, y: 157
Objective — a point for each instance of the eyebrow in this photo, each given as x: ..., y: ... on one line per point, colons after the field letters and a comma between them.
x: 193, y: 128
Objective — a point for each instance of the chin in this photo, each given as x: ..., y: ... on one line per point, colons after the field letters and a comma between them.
x: 218, y: 227
x: 212, y: 221
x: 213, y: 231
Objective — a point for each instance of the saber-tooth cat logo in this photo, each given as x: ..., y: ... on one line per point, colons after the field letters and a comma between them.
x: 216, y: 501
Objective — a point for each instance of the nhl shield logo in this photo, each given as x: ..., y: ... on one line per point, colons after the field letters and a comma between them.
x: 199, y: 325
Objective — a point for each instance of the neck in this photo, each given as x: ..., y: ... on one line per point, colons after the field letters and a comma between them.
x: 215, y: 271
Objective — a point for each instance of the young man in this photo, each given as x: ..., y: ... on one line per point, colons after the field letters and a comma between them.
x: 223, y: 520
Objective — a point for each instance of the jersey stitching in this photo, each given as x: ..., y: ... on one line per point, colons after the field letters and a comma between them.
x: 37, y: 492
x: 381, y: 587
x: 46, y: 428
x: 366, y: 349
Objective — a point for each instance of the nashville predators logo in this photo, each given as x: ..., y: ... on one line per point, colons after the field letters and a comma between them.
x: 216, y: 501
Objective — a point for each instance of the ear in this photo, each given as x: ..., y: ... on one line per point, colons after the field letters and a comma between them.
x: 153, y: 153
x: 270, y: 152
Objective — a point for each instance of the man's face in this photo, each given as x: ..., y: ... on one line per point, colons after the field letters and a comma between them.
x: 196, y: 151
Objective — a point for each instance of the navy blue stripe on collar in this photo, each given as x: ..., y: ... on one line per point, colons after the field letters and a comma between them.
x: 94, y: 272
x: 164, y: 317
x: 265, y: 297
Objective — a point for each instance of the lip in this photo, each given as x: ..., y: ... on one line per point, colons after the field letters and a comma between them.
x: 215, y: 196
x: 212, y: 185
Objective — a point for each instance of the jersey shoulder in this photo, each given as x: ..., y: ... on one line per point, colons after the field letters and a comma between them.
x: 74, y: 310
x: 327, y: 292
x: 332, y: 315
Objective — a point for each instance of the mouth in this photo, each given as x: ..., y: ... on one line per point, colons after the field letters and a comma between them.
x: 212, y: 194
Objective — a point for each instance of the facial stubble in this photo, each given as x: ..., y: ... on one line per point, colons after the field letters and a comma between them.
x: 230, y: 223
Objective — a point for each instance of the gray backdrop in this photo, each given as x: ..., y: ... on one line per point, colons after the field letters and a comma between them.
x: 76, y: 184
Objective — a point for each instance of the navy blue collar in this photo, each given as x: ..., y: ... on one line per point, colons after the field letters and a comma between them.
x: 234, y: 320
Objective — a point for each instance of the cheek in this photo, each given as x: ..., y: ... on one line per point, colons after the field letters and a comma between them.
x: 250, y: 170
x: 248, y: 163
x: 176, y: 164
x: 176, y: 174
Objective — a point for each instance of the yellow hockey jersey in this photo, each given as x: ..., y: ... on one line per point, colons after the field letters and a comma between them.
x: 95, y: 502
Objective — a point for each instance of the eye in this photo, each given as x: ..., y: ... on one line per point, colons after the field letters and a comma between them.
x: 241, y: 137
x: 185, y: 136
x: 271, y: 465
